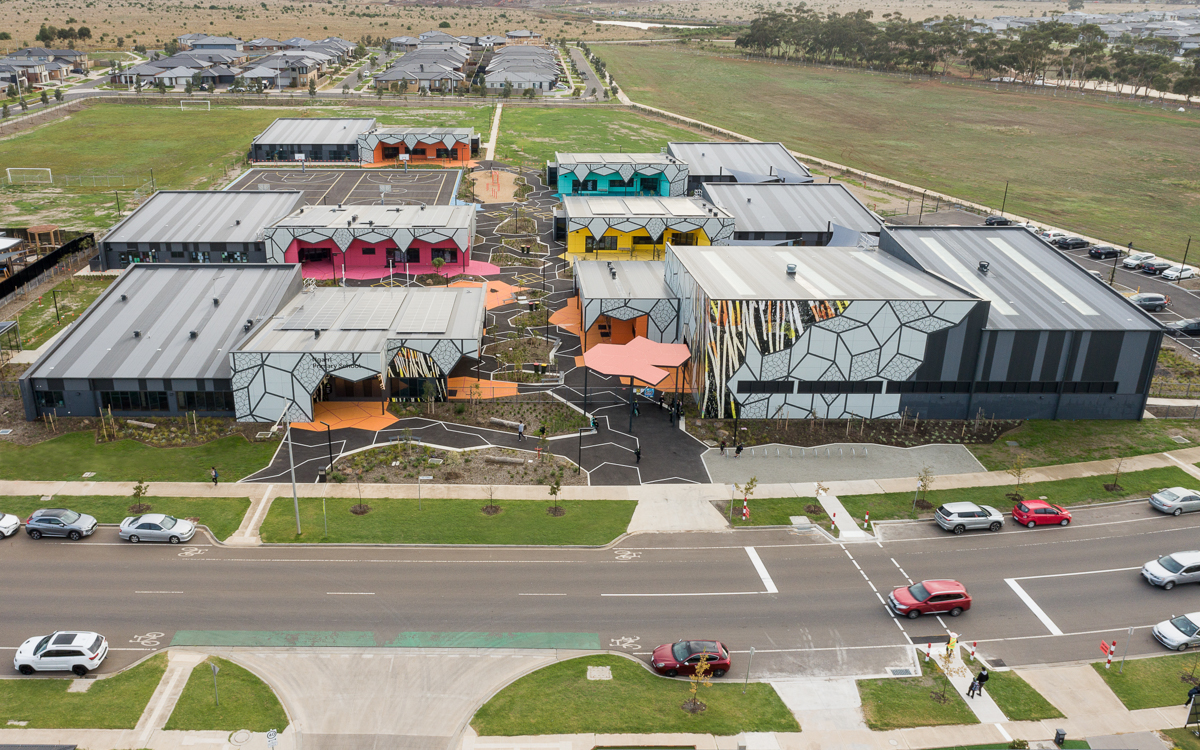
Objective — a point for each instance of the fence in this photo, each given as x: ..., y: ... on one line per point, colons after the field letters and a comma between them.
x: 66, y: 259
x: 94, y: 180
x: 1159, y: 389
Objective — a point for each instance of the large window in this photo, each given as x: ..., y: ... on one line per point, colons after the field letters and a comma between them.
x: 48, y: 398
x: 766, y: 386
x: 684, y: 238
x: 642, y: 240
x: 450, y: 255
x: 235, y: 257
x: 204, y: 400
x: 134, y: 400
x: 591, y: 244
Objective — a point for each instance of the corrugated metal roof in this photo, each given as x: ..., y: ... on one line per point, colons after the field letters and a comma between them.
x: 796, y: 207
x: 164, y: 303
x: 315, y: 130
x: 1031, y: 285
x: 205, y: 216
x: 383, y: 216
x: 577, y: 207
x: 715, y: 158
x: 822, y: 273
x: 636, y: 279
x: 613, y: 159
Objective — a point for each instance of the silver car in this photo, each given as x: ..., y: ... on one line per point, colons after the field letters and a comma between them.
x: 1175, y: 500
x: 59, y: 522
x: 156, y: 527
x: 958, y: 517
x: 1180, y: 567
x: 1179, y: 632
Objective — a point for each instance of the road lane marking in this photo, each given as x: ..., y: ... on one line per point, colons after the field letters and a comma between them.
x: 708, y: 593
x: 541, y: 594
x: 762, y: 570
x: 1081, y: 632
x: 1033, y: 607
x: 158, y: 592
x: 350, y: 593
x: 1080, y: 573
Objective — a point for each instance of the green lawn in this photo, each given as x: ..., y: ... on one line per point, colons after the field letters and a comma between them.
x: 1184, y: 739
x: 222, y: 515
x: 246, y: 701
x: 559, y: 699
x: 471, y: 115
x: 1061, y: 492
x: 532, y: 135
x: 902, y: 702
x: 1113, y: 170
x: 397, y: 521
x: 776, y: 511
x: 113, y: 703
x: 42, y: 319
x: 69, y: 456
x: 1152, y: 683
x: 1047, y: 442
x: 1017, y: 699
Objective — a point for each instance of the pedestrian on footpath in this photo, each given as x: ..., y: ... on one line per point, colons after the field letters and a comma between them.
x: 952, y: 643
x: 637, y: 454
x: 723, y: 448
x: 1192, y: 695
x: 980, y: 680
x: 521, y: 431
x: 737, y: 453
x: 974, y: 689
x: 213, y: 473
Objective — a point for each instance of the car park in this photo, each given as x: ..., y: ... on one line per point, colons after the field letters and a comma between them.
x: 1186, y: 327
x: 959, y: 517
x: 681, y: 658
x: 1150, y: 301
x: 156, y: 527
x: 937, y: 597
x: 1103, y: 252
x: 59, y: 522
x: 1176, y: 568
x: 1179, y: 632
x: 1179, y: 273
x: 1040, y: 513
x: 62, y: 651
x: 1070, y: 243
x: 1175, y: 500
x: 1156, y: 266
x: 997, y: 221
x: 1135, y: 260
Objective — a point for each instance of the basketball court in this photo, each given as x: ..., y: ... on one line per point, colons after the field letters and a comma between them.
x: 357, y: 187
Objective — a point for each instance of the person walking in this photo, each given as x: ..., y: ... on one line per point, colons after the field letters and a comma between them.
x: 1192, y: 695
x: 974, y: 689
x: 521, y: 431
x: 213, y: 473
x: 637, y: 454
x: 737, y: 453
x: 980, y: 680
x: 723, y: 448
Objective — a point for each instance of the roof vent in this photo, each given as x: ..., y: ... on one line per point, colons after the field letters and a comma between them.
x: 316, y: 333
x: 748, y: 200
x: 371, y: 223
x: 238, y: 222
x: 791, y: 269
x: 339, y: 205
x: 354, y: 217
x: 123, y: 298
x: 137, y: 334
x: 349, y: 223
x: 983, y: 266
x: 422, y: 206
x: 216, y: 301
x: 191, y: 334
x: 246, y: 328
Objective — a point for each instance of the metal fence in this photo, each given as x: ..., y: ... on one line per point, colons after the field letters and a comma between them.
x: 95, y: 180
x: 1160, y: 389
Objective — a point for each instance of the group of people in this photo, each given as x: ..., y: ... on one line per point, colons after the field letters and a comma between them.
x: 737, y: 452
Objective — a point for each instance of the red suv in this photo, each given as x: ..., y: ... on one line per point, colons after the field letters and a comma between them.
x: 930, y: 598
x: 1040, y: 513
x: 682, y: 657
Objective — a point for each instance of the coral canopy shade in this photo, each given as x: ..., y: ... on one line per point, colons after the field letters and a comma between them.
x: 641, y: 359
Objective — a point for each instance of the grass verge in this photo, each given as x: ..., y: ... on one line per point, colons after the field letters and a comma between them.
x: 904, y: 702
x: 113, y: 703
x: 222, y: 515
x: 777, y: 511
x: 1046, y: 442
x: 1184, y: 739
x: 1152, y: 683
x: 66, y: 458
x: 559, y: 699
x: 398, y: 521
x: 1061, y: 492
x: 1018, y: 700
x: 246, y: 701
x: 1068, y: 745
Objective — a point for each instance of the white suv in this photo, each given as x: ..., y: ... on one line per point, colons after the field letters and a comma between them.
x: 76, y: 651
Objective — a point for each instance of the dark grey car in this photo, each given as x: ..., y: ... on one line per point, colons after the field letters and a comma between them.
x: 59, y: 522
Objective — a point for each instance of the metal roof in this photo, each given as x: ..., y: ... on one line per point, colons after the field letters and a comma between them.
x: 635, y: 279
x: 822, y: 273
x: 1031, y: 285
x: 383, y: 216
x: 614, y: 159
x: 716, y: 158
x: 795, y: 207
x: 577, y: 207
x: 164, y: 303
x: 315, y: 130
x: 205, y: 216
x: 431, y: 131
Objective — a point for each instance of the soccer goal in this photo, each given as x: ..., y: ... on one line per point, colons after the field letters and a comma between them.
x: 29, y: 176
x: 183, y: 104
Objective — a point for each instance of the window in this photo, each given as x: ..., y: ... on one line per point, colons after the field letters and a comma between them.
x: 642, y: 240
x: 217, y: 247
x: 1089, y: 387
x: 48, y: 398
x: 368, y: 251
x: 766, y: 386
x: 177, y: 254
x: 839, y: 386
x: 944, y: 386
x: 591, y: 244
x: 449, y: 255
x: 204, y: 400
x: 589, y: 185
x: 134, y: 400
x: 443, y: 153
x: 234, y: 257
x: 419, y: 151
x: 684, y: 238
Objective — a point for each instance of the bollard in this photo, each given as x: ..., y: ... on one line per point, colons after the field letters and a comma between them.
x: 751, y: 451
x: 866, y: 519
x: 776, y: 452
x: 790, y: 453
x: 928, y: 651
x: 826, y: 453
x: 864, y: 452
x: 852, y: 453
x: 1111, y: 651
x: 973, y: 645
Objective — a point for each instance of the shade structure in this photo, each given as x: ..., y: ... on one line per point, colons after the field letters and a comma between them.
x: 641, y: 359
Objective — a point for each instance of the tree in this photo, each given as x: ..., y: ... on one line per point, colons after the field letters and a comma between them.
x: 312, y: 85
x: 554, y: 486
x: 137, y: 83
x: 24, y: 105
x: 429, y: 394
x: 120, y: 41
x: 45, y: 97
x: 171, y: 47
x: 162, y: 86
x: 924, y: 484
x: 437, y: 265
x: 1017, y: 470
x: 378, y: 90
x: 4, y: 114
x: 444, y: 25
x: 508, y: 89
x: 346, y: 89
x: 1074, y: 4
x: 403, y: 85
x: 747, y: 490
x: 698, y: 679
x: 1187, y: 87
x: 949, y: 668
x: 140, y: 489
x: 529, y: 94
x: 84, y: 32
x: 58, y: 95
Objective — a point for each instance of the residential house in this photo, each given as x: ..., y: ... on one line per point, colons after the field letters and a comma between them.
x: 263, y: 44
x: 218, y: 42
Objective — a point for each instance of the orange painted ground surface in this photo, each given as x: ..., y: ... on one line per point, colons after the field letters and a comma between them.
x: 488, y: 389
x: 365, y: 415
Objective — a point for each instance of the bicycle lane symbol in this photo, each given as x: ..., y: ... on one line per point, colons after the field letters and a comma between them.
x: 625, y: 641
x: 148, y: 639
x: 191, y: 551
x: 625, y: 554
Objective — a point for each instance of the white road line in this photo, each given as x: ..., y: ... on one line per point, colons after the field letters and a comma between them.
x: 350, y: 593
x: 1080, y: 573
x: 872, y: 586
x: 158, y: 592
x: 1081, y: 632
x: 856, y: 563
x: 879, y: 596
x: 1007, y: 737
x: 1033, y: 607
x: 762, y: 570
x: 708, y: 593
x: 541, y: 594
x: 864, y: 575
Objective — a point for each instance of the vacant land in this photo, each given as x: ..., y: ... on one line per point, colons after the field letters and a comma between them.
x: 222, y: 515
x: 1120, y: 172
x: 246, y: 701
x: 113, y: 703
x: 560, y: 699
x: 1047, y: 442
x: 531, y: 135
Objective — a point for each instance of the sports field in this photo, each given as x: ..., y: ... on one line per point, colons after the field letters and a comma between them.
x: 1120, y: 172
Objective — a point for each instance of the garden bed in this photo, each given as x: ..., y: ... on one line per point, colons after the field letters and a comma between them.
x: 809, y: 432
x: 535, y: 409
x: 453, y: 467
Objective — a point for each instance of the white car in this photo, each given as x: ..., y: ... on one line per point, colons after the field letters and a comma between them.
x: 1178, y: 273
x: 8, y: 524
x: 1135, y: 260
x: 1179, y: 632
x: 1052, y: 234
x: 156, y: 527
x: 62, y: 651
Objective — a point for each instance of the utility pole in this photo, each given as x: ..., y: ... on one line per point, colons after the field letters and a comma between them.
x: 1004, y: 202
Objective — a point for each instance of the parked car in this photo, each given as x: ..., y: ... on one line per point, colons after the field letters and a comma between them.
x: 1050, y: 235
x: 1179, y: 273
x: 1103, y: 252
x: 1040, y: 513
x: 1135, y: 260
x: 1070, y: 243
x: 958, y: 517
x: 1188, y: 327
x: 1175, y: 500
x: 930, y: 598
x: 59, y: 522
x: 1095, y: 274
x: 1179, y: 632
x: 8, y: 525
x: 156, y: 527
x: 1179, y: 567
x: 76, y: 651
x: 1156, y: 266
x: 997, y: 221
x: 681, y: 657
x: 1150, y: 301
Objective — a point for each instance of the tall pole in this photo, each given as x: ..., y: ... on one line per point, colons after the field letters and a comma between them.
x: 292, y: 466
x: 1004, y: 202
x: 118, y: 196
x: 329, y: 442
x: 1182, y: 265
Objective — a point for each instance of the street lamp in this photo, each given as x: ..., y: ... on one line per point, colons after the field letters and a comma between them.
x: 581, y: 431
x: 328, y: 442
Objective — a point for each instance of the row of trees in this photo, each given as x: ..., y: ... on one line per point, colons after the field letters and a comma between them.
x: 49, y: 34
x: 1045, y: 51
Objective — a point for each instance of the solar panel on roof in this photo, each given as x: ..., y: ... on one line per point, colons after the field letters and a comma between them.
x: 316, y: 314
x: 372, y: 312
x: 682, y: 208
x: 426, y: 313
x: 605, y: 206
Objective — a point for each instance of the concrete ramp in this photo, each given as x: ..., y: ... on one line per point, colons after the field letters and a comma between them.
x: 676, y: 514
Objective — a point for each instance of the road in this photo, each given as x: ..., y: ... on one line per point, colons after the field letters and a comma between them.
x: 813, y: 609
x: 591, y: 82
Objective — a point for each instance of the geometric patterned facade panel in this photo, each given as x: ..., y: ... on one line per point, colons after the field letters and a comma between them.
x: 662, y: 315
x: 368, y: 141
x: 278, y: 239
x: 675, y: 174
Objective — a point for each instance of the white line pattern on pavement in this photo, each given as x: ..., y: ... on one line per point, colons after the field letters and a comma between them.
x: 1033, y: 606
x: 762, y: 570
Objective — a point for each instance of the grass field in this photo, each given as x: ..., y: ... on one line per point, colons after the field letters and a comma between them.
x: 1115, y: 171
x: 902, y: 702
x: 246, y: 701
x: 222, y: 515
x: 1017, y: 699
x: 66, y: 458
x: 1061, y: 492
x: 397, y: 521
x: 559, y: 699
x: 472, y: 114
x: 1151, y: 683
x: 113, y: 703
x: 42, y: 318
x: 532, y: 135
x: 1048, y: 442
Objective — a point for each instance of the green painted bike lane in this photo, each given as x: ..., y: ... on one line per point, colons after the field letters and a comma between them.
x: 369, y: 639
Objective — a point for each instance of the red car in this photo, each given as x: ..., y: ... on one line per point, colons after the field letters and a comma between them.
x: 1039, y: 513
x: 681, y: 657
x: 930, y: 598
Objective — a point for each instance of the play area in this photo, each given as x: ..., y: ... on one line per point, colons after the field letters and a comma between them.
x: 357, y: 187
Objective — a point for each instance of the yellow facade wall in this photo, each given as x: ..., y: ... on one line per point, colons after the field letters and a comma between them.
x: 626, y: 250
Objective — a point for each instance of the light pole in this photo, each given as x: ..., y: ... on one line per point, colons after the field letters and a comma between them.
x: 579, y: 464
x: 1004, y: 202
x: 292, y: 467
x: 329, y: 443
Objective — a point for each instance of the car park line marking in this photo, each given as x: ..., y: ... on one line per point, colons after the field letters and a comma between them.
x: 1033, y: 606
x: 762, y: 570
